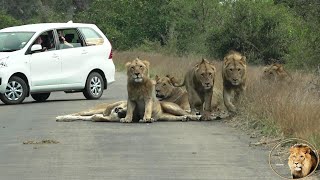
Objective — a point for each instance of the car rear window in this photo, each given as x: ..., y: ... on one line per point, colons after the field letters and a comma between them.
x: 91, y: 37
x: 13, y: 41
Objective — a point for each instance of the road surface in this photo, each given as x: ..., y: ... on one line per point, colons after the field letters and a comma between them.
x: 87, y: 150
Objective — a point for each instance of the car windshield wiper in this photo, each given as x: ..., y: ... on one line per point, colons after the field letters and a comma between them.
x: 10, y: 50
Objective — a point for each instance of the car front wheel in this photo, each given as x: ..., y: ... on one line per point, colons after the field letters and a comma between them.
x: 16, y: 91
x: 94, y: 86
x: 40, y: 97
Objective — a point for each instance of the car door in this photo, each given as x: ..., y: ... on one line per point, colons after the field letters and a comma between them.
x: 45, y: 65
x: 73, y: 55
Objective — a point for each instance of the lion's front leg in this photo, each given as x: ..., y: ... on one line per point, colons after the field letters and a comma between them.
x: 227, y: 101
x: 207, y: 106
x: 194, y: 101
x: 130, y: 108
x: 147, y: 117
x: 101, y: 118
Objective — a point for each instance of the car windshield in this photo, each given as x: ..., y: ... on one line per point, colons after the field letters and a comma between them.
x: 13, y: 41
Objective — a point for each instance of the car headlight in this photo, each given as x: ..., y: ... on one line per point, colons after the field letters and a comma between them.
x: 3, y: 63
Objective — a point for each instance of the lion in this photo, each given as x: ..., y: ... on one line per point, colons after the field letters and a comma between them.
x: 113, y: 112
x: 234, y: 72
x: 142, y: 103
x: 166, y: 91
x: 302, y: 160
x: 276, y: 72
x: 199, y: 82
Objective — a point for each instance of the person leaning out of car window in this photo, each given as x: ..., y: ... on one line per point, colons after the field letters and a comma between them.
x: 40, y: 42
x: 63, y: 43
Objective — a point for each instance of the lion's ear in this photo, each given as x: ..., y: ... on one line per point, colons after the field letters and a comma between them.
x: 156, y: 77
x: 173, y: 80
x: 308, y: 150
x: 243, y: 59
x: 291, y: 150
x: 128, y: 64
x: 280, y: 68
x: 147, y: 63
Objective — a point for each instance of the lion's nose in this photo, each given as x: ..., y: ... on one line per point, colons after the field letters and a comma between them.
x: 137, y: 74
x: 207, y: 84
x: 296, y: 163
x: 235, y: 79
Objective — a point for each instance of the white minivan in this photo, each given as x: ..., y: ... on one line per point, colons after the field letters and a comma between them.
x: 37, y: 59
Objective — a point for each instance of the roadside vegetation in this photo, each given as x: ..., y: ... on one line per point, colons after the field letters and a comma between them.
x: 174, y: 34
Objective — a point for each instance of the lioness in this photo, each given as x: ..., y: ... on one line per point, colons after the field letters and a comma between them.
x: 142, y: 103
x: 275, y: 72
x: 113, y: 112
x: 166, y: 91
x: 302, y: 160
x: 234, y: 71
x: 199, y: 82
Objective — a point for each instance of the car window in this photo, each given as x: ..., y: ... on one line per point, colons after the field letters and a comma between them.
x: 13, y: 41
x: 91, y: 37
x: 46, y: 40
x: 69, y: 38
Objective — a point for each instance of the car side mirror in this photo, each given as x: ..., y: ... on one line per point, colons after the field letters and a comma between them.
x: 36, y: 47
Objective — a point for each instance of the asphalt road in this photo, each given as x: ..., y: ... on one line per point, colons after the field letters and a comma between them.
x: 87, y: 150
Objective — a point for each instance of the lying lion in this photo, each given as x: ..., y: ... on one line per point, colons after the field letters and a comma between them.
x: 166, y: 91
x: 302, y: 160
x: 113, y: 112
x: 275, y: 72
x: 199, y: 82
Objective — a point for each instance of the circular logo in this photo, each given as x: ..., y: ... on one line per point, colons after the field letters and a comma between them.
x: 294, y: 158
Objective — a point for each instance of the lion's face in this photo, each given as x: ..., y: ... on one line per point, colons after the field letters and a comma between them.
x: 137, y: 70
x: 273, y: 72
x: 235, y: 68
x: 205, y: 73
x: 300, y: 159
x: 119, y: 111
x: 164, y: 87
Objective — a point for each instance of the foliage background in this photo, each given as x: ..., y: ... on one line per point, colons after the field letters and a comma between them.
x: 284, y: 30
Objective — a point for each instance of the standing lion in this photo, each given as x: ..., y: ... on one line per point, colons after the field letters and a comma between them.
x: 234, y: 72
x: 199, y: 82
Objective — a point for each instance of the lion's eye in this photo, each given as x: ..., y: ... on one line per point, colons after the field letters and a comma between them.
x: 202, y: 74
x: 132, y: 68
x: 164, y: 84
x: 239, y: 69
x: 230, y: 69
x: 301, y: 156
x: 210, y: 74
x: 140, y: 67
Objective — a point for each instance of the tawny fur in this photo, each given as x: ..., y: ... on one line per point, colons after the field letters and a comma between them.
x: 234, y: 73
x: 302, y: 161
x: 199, y: 82
x: 142, y: 103
x: 166, y: 91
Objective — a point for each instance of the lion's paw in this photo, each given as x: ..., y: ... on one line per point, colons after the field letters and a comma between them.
x: 147, y: 120
x: 125, y: 120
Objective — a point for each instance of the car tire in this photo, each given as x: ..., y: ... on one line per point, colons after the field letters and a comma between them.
x: 40, y: 97
x: 16, y: 91
x: 94, y: 86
